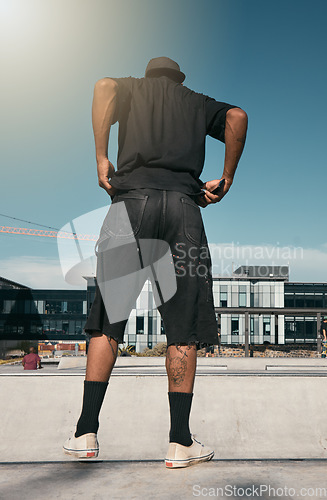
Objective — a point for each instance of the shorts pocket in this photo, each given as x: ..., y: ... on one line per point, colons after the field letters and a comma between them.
x: 124, y: 217
x: 192, y: 221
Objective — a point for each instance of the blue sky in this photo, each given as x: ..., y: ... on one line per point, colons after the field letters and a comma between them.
x: 266, y: 57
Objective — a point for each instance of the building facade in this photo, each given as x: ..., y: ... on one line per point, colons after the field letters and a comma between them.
x: 41, y: 314
x: 61, y: 314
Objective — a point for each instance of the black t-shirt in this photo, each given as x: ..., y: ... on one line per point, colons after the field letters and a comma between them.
x: 162, y: 131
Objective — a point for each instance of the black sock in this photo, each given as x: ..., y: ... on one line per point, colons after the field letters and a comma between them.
x: 92, y: 400
x: 180, y: 407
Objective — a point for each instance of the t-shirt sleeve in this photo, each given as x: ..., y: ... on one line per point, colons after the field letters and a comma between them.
x: 216, y: 118
x: 124, y: 95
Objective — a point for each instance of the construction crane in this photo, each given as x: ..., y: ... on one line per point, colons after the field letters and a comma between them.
x: 48, y: 234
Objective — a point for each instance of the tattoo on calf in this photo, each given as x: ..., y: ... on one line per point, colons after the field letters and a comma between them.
x: 181, y: 350
x: 177, y: 369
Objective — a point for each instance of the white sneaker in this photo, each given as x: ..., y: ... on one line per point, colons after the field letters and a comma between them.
x: 183, y: 456
x: 85, y: 446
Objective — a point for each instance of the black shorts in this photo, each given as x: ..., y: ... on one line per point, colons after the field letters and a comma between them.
x: 162, y: 238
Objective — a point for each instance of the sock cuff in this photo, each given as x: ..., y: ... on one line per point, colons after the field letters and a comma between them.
x: 180, y: 395
x: 95, y: 383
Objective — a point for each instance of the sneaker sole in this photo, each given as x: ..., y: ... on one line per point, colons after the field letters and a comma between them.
x: 81, y: 453
x: 177, y: 464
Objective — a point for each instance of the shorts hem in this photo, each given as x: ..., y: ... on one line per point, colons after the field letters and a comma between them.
x: 90, y: 331
x: 199, y: 345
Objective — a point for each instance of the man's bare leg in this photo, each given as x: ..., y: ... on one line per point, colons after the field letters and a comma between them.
x: 101, y: 358
x: 181, y: 367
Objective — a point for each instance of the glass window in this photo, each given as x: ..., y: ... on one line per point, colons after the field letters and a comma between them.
x: 235, y: 330
x: 318, y: 301
x: 299, y: 328
x: 309, y: 301
x: 242, y: 299
x: 75, y: 307
x: 289, y: 329
x: 53, y: 307
x: 46, y: 326
x: 8, y: 306
x: 78, y: 327
x: 223, y: 299
x: 39, y: 307
x: 140, y: 324
x: 289, y: 300
x: 266, y: 325
x: 310, y: 328
x: 299, y: 301
x: 71, y: 329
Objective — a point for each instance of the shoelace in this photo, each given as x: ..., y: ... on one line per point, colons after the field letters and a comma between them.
x: 193, y: 437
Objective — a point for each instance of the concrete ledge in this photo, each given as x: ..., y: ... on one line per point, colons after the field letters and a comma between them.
x: 240, y: 417
x: 310, y: 368
x: 233, y: 364
x: 72, y: 362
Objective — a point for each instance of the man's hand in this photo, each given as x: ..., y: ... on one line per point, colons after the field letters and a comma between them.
x: 105, y: 172
x: 209, y: 198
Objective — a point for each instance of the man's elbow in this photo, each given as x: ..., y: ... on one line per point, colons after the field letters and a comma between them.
x: 237, y: 114
x: 106, y: 84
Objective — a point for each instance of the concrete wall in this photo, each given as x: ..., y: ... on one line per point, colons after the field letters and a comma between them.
x: 239, y: 416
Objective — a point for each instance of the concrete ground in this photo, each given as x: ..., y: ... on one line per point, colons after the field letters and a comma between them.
x: 247, y: 387
x: 151, y: 480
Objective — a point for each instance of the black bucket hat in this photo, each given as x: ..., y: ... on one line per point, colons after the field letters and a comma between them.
x: 164, y: 66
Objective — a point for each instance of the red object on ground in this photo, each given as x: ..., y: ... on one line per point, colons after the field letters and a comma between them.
x: 31, y: 360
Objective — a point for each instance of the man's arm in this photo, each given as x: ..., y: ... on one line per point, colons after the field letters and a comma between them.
x: 103, y: 112
x: 235, y: 135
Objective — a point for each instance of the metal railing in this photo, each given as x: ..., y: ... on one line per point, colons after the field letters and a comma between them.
x: 270, y: 311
